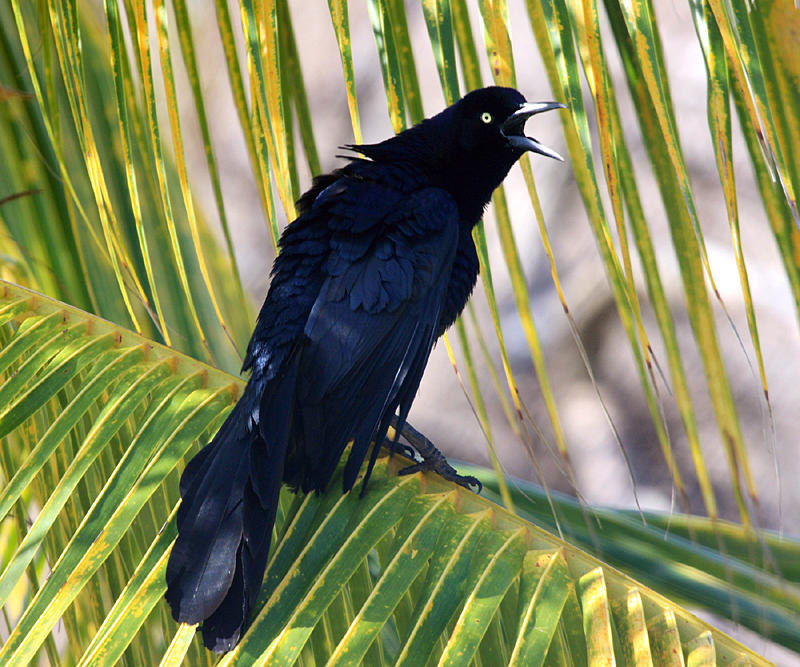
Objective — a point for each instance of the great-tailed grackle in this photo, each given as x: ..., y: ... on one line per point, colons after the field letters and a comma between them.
x: 379, y: 263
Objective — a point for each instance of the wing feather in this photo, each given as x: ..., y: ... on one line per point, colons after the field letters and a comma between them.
x: 370, y: 333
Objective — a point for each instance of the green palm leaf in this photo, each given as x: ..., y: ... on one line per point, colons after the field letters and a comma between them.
x: 454, y: 576
x: 98, y: 208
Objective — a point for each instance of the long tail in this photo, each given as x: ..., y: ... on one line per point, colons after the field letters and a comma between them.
x: 229, y: 497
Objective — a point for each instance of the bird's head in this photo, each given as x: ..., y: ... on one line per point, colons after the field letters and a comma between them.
x: 469, y: 147
x: 492, y: 121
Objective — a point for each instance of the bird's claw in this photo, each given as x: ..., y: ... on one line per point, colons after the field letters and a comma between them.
x: 405, y: 450
x: 445, y: 471
x: 432, y: 458
x: 396, y: 447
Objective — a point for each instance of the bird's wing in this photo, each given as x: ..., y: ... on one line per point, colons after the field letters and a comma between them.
x: 348, y: 208
x: 370, y: 331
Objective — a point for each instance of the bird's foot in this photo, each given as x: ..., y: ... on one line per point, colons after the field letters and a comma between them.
x: 396, y: 447
x: 433, y: 459
x: 444, y: 470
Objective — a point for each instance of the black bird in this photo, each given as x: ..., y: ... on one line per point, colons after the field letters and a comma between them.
x: 378, y: 264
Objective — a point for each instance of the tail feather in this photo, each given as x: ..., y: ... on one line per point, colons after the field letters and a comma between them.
x: 200, y: 567
x: 229, y: 494
x: 223, y: 629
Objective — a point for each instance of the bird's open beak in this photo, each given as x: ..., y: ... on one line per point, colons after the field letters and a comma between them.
x: 514, y: 128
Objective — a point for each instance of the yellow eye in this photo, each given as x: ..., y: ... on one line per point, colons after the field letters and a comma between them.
x: 486, y: 117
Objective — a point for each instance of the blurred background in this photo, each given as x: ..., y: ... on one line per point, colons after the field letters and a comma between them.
x: 94, y: 211
x: 442, y: 410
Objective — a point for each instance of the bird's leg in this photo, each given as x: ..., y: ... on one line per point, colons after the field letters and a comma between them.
x: 397, y: 447
x: 432, y: 458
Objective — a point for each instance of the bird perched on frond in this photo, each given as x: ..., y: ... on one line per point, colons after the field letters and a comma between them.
x: 378, y: 264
